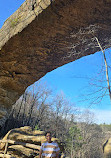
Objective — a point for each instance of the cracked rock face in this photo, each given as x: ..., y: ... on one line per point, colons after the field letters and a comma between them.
x: 46, y: 37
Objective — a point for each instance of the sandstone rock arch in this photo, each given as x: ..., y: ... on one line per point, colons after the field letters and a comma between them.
x: 44, y: 35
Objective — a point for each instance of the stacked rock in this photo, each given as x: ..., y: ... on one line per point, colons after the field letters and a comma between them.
x: 22, y: 143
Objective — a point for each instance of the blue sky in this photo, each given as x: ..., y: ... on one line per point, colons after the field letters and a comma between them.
x: 77, y: 78
x: 8, y: 7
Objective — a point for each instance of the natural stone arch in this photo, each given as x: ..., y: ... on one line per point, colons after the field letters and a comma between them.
x: 44, y: 35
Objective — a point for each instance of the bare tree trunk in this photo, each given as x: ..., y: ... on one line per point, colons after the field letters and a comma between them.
x: 20, y: 107
x: 24, y: 108
x: 106, y: 66
x: 72, y: 148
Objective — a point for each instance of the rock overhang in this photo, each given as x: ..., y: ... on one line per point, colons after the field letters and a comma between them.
x: 44, y: 35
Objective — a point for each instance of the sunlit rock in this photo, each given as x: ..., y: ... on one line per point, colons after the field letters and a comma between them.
x: 43, y: 35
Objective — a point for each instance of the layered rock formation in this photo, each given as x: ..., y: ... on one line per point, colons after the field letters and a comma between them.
x: 43, y: 35
x: 23, y: 142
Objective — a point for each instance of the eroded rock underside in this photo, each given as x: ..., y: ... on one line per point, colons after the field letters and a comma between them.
x: 60, y: 32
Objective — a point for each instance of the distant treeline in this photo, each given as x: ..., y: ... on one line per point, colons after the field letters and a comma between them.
x: 40, y: 110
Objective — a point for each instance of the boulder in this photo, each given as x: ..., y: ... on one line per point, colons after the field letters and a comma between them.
x: 22, y: 142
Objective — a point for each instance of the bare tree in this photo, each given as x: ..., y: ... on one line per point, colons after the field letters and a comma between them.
x: 92, y: 136
x: 106, y: 66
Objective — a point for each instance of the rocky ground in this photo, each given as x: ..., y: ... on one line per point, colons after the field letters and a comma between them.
x: 22, y: 143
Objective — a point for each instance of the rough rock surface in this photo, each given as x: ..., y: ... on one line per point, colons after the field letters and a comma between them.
x: 107, y: 148
x: 44, y: 35
x: 23, y: 142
